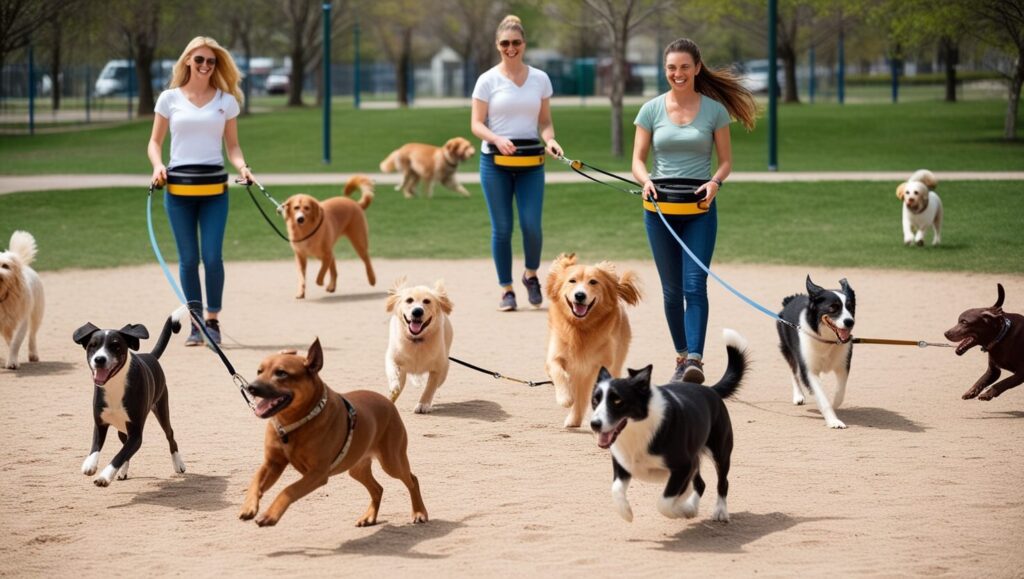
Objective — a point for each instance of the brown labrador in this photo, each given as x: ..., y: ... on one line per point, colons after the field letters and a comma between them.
x: 999, y: 333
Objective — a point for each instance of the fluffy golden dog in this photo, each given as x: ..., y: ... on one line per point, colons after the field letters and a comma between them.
x: 21, y: 298
x: 315, y: 226
x: 419, y: 340
x: 588, y: 328
x: 421, y: 162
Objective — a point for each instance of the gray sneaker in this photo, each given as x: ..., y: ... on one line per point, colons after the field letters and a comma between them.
x: 677, y: 376
x: 213, y: 330
x: 533, y: 290
x: 194, y: 337
x: 693, y: 371
x: 508, y: 302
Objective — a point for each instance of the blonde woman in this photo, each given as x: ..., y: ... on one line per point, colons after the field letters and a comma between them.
x: 512, y: 102
x: 683, y: 127
x: 201, y: 110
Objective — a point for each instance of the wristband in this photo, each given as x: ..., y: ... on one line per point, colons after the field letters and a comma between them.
x: 717, y: 182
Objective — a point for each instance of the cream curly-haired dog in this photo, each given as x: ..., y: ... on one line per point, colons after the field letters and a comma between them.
x: 21, y: 298
x: 922, y: 208
x: 588, y: 328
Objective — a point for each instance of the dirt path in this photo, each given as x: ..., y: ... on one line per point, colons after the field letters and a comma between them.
x: 921, y: 483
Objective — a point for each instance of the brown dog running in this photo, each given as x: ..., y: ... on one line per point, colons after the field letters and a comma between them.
x: 999, y: 333
x: 429, y: 163
x: 322, y: 433
x: 315, y: 226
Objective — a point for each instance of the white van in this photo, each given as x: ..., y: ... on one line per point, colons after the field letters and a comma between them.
x: 113, y: 79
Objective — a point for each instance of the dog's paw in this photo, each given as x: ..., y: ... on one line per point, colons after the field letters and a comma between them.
x: 798, y: 400
x: 248, y: 512
x: 690, y: 506
x: 418, y: 517
x: 422, y: 408
x: 625, y: 511
x: 266, y: 520
x: 331, y: 288
x: 572, y: 422
x: 11, y: 364
x: 835, y: 423
x: 721, y: 513
x: 90, y: 464
x: 919, y: 243
x: 668, y: 507
x: 367, y: 520
x: 122, y: 473
x: 179, y: 465
x: 988, y: 395
x: 300, y: 296
x: 35, y: 357
x: 105, y: 477
x: 972, y: 392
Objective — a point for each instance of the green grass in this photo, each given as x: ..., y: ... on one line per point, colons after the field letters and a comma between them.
x: 853, y: 224
x: 819, y: 137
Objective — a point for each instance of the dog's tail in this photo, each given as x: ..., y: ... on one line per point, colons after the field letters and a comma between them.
x: 925, y: 176
x: 736, y: 348
x: 172, y: 325
x: 23, y: 245
x: 390, y: 164
x: 364, y: 184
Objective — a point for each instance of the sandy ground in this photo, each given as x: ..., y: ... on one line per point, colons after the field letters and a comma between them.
x: 921, y: 483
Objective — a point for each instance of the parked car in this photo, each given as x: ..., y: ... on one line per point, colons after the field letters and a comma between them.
x: 113, y: 79
x: 278, y: 81
x: 755, y: 75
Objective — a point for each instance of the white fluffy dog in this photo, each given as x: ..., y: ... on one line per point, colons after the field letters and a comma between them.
x: 420, y: 339
x: 21, y: 298
x: 922, y: 208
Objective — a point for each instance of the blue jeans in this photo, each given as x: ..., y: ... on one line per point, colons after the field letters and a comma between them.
x: 683, y: 284
x: 198, y: 224
x: 500, y: 186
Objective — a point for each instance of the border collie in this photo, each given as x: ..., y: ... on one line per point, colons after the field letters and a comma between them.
x: 824, y: 345
x: 657, y: 433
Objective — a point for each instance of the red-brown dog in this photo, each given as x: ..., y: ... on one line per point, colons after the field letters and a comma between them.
x: 322, y: 433
x: 422, y: 162
x: 999, y: 333
x: 315, y: 226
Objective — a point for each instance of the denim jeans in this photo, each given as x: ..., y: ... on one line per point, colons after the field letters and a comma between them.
x: 198, y: 224
x: 501, y: 186
x: 684, y: 285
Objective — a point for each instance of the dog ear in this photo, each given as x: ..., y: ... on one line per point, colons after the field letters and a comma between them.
x: 315, y: 357
x: 84, y: 334
x: 812, y: 288
x: 558, y: 267
x: 133, y: 333
x: 1002, y: 294
x: 603, y: 374
x: 442, y: 297
x: 642, y: 376
x: 393, y: 294
x: 899, y: 191
x: 628, y: 288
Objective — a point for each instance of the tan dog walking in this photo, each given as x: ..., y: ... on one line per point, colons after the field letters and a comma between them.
x: 322, y: 433
x: 315, y: 226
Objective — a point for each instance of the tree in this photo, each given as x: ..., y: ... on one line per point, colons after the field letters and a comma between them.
x: 305, y: 22
x: 1005, y: 18
x: 467, y: 26
x: 394, y: 22
x: 19, y: 19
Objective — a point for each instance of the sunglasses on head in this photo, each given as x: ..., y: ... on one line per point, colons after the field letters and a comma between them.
x: 507, y: 43
x: 200, y: 59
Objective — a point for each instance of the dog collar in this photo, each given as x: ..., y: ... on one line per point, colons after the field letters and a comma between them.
x: 348, y: 437
x: 1000, y: 336
x: 447, y: 160
x: 311, y: 233
x: 284, y: 431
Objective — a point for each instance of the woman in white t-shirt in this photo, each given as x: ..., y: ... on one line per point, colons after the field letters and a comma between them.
x: 201, y: 110
x: 513, y: 101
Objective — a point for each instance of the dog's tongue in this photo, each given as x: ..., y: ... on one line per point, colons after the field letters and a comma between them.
x: 965, y: 345
x: 415, y: 327
x: 844, y: 335
x: 263, y: 406
x: 100, y: 376
x: 579, y: 309
x: 605, y: 439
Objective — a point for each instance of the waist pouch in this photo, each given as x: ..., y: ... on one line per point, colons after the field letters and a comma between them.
x: 676, y: 196
x: 529, y: 153
x: 197, y: 180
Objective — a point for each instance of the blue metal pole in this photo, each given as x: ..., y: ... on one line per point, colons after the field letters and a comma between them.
x: 356, y: 88
x: 327, y: 82
x: 810, y: 77
x: 31, y: 91
x: 842, y: 68
x: 773, y: 88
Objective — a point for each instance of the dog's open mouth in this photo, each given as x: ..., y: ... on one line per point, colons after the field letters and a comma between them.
x: 842, y: 334
x: 964, y: 345
x: 100, y: 376
x: 606, y: 439
x: 416, y: 326
x: 267, y: 407
x: 580, y: 310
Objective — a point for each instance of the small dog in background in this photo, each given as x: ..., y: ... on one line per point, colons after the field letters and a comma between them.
x: 824, y: 345
x: 21, y: 298
x: 999, y: 333
x: 587, y: 327
x: 419, y: 339
x: 922, y: 208
x: 422, y: 162
x: 315, y: 226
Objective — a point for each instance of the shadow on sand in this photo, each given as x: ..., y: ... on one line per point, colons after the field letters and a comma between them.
x: 386, y: 540
x: 707, y: 536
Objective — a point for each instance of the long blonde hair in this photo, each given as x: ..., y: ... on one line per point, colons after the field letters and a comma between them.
x: 721, y: 85
x: 226, y: 75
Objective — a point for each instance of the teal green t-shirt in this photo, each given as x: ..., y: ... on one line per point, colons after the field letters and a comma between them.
x: 682, y: 150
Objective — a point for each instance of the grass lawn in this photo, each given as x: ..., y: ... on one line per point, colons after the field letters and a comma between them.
x: 820, y: 137
x: 814, y: 224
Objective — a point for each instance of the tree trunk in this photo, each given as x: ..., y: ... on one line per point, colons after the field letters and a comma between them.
x: 298, y: 74
x: 403, y: 71
x: 618, y: 86
x: 143, y: 72
x: 55, y: 57
x: 1010, y: 125
x: 949, y: 52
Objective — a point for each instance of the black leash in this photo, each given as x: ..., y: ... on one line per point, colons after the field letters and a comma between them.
x: 279, y: 210
x: 498, y: 375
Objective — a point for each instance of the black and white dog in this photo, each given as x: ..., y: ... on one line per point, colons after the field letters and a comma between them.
x: 826, y: 317
x: 657, y: 433
x: 127, y: 387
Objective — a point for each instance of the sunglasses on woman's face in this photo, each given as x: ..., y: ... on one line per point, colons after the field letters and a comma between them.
x: 200, y: 59
x: 507, y: 43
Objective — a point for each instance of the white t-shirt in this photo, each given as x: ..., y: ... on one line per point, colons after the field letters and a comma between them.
x: 512, y: 111
x: 197, y: 134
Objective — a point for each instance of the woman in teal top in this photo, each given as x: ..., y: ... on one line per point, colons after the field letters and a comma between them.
x: 683, y: 127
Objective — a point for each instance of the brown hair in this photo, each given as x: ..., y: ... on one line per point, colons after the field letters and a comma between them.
x: 510, y: 23
x: 721, y: 85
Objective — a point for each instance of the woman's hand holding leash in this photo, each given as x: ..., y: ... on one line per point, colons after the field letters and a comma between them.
x: 159, y: 176
x: 710, y: 190
x: 554, y: 149
x: 649, y: 191
x: 505, y: 146
x: 245, y: 174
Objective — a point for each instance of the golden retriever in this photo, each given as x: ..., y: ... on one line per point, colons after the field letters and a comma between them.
x: 315, y: 226
x: 588, y: 328
x: 428, y: 163
x: 419, y: 339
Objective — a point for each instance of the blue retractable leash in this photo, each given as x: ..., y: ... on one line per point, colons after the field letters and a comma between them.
x: 235, y: 376
x: 578, y: 166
